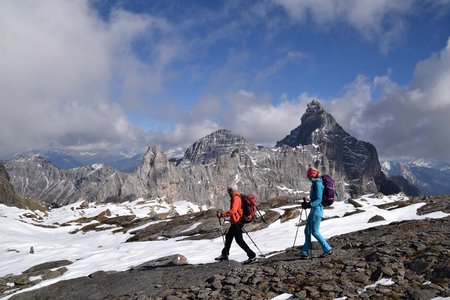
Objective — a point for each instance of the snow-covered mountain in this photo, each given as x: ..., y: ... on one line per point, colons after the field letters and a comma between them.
x: 432, y: 177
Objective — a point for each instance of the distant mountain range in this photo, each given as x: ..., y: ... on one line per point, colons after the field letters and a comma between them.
x: 432, y: 177
x: 68, y: 159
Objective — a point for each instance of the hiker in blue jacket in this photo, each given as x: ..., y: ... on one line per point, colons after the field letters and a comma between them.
x: 315, y: 215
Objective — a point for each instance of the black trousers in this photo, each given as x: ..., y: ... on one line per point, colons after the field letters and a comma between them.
x: 235, y: 231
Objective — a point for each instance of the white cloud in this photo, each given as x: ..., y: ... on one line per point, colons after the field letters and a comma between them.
x: 431, y: 81
x: 186, y: 134
x: 246, y: 114
x: 56, y: 68
x: 289, y: 58
x: 375, y: 20
x: 407, y: 121
x: 266, y: 124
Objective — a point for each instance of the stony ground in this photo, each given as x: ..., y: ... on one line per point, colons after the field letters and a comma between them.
x: 414, y: 255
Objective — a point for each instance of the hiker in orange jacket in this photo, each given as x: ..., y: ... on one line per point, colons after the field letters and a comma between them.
x: 235, y: 214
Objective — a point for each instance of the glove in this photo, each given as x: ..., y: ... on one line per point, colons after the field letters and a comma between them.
x: 306, y: 205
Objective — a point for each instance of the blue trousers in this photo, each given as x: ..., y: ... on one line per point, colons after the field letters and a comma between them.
x: 312, y: 228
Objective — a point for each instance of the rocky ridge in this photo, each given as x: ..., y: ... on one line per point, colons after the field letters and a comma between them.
x: 402, y: 260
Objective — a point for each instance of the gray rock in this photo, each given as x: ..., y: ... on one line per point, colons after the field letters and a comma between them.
x: 376, y: 218
x: 421, y: 294
x: 48, y: 265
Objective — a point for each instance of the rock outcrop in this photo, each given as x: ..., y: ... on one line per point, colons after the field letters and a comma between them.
x: 7, y: 194
x: 9, y: 197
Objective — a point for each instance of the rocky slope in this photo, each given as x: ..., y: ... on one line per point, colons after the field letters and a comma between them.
x: 403, y: 260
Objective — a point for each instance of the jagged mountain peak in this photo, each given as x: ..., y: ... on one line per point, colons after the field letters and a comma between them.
x: 216, y: 144
x: 315, y: 120
x: 316, y: 113
x: 358, y: 160
x: 154, y: 157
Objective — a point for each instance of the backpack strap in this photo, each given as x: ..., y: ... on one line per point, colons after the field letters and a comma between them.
x: 316, y: 189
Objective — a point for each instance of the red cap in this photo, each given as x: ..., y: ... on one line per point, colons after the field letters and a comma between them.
x: 312, y: 173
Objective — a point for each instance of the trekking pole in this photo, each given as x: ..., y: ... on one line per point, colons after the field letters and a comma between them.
x: 221, y: 231
x: 252, y: 241
x: 309, y: 230
x: 261, y: 215
x: 298, y: 224
x: 300, y: 220
x: 309, y: 233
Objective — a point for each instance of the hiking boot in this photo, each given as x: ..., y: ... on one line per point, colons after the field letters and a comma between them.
x: 303, y: 255
x: 249, y: 260
x: 325, y: 254
x: 222, y: 257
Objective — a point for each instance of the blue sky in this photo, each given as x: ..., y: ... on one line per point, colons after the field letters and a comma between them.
x: 127, y: 74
